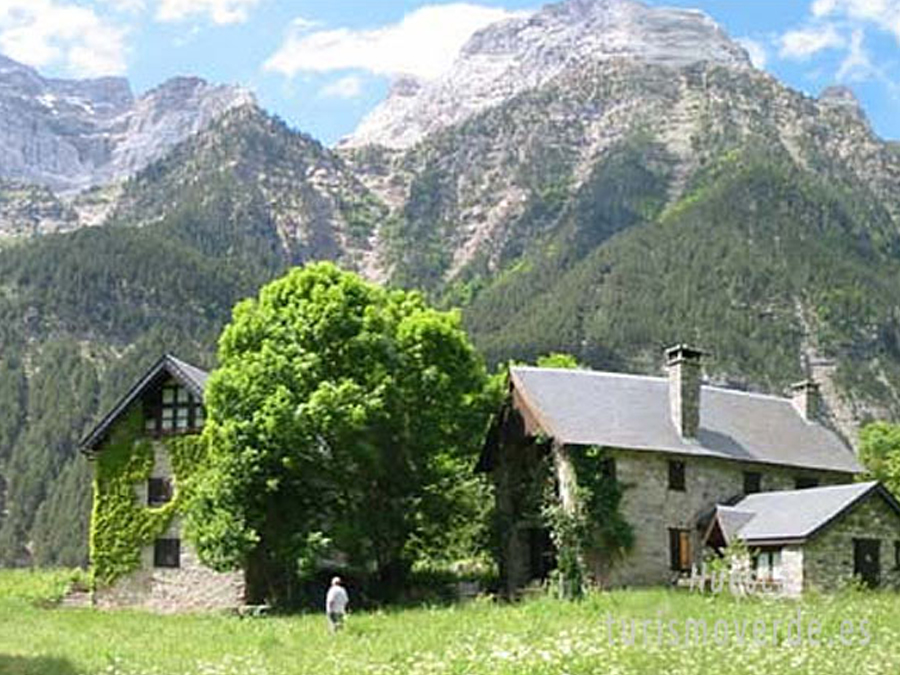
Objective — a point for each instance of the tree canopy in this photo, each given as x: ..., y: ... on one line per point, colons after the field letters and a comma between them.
x: 341, y: 422
x: 879, y: 450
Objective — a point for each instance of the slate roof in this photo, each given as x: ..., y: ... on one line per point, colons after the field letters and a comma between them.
x: 190, y: 376
x: 583, y: 407
x: 792, y: 515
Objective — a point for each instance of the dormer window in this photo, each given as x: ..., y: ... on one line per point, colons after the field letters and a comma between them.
x: 175, y: 410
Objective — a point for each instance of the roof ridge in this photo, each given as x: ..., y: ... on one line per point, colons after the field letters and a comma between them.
x: 626, y: 410
x: 819, y: 488
x: 654, y: 378
x: 591, y: 372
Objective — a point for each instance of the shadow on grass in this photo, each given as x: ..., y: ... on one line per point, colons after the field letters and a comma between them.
x: 35, y: 665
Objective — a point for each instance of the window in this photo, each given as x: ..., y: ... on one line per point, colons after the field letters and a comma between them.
x: 159, y: 491
x: 767, y: 565
x: 608, y: 468
x: 680, y: 550
x: 676, y: 475
x: 806, y: 482
x: 752, y: 482
x: 174, y: 409
x: 167, y: 553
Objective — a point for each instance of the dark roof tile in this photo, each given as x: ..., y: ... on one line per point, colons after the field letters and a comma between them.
x: 791, y: 515
x: 583, y: 407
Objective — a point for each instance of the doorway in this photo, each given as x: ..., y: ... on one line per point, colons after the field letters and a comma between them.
x: 867, y: 561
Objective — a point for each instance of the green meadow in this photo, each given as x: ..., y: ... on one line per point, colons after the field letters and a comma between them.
x: 541, y: 635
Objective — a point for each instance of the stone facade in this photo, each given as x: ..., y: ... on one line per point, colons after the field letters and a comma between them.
x: 189, y: 587
x: 648, y: 505
x: 653, y: 509
x: 828, y: 556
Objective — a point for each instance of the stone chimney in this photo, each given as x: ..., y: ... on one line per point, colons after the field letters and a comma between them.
x: 805, y: 397
x: 683, y: 363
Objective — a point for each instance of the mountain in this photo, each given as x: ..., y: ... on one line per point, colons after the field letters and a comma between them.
x: 69, y: 135
x: 521, y: 54
x: 550, y: 216
x: 311, y: 205
x: 616, y: 179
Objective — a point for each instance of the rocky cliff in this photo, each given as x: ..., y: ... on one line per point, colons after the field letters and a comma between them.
x: 513, y: 56
x: 69, y: 135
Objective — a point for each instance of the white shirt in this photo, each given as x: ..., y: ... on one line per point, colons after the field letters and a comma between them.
x: 336, y: 600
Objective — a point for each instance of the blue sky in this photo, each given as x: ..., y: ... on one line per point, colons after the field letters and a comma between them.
x: 322, y: 64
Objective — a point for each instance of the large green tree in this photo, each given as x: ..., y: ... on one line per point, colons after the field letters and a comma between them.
x: 879, y: 450
x: 341, y: 417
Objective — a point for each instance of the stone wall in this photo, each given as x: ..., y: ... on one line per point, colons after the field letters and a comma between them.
x: 651, y: 508
x: 190, y: 587
x: 828, y: 557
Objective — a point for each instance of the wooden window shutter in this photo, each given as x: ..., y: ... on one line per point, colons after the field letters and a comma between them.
x: 685, y: 549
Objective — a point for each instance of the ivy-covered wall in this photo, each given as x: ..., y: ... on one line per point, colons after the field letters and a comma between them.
x: 121, y: 526
x: 573, y: 494
x: 582, y: 511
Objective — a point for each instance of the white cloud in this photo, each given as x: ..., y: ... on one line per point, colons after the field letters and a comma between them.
x: 805, y: 42
x: 883, y: 13
x: 757, y: 51
x: 302, y: 24
x: 423, y: 43
x: 218, y: 11
x: 350, y: 86
x: 857, y: 65
x: 47, y: 32
x: 823, y: 7
x: 125, y: 5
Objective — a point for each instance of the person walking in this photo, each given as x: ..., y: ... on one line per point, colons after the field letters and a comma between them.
x: 336, y: 604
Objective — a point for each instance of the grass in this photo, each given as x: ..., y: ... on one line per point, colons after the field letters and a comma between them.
x: 539, y: 636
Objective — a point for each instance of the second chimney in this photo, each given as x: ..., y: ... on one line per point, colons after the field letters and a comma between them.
x: 683, y: 363
x: 805, y: 397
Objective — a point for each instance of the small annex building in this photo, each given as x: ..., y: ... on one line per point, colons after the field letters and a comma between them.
x: 816, y: 538
x: 141, y: 456
x: 696, y: 464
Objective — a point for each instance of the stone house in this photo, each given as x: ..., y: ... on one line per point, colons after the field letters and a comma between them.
x: 680, y: 450
x: 166, y: 574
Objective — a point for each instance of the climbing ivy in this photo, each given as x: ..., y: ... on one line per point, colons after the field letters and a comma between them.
x: 120, y: 525
x: 595, y: 529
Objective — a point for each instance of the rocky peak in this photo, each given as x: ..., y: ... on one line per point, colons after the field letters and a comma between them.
x: 72, y: 134
x: 511, y: 56
x: 165, y: 116
x: 840, y: 96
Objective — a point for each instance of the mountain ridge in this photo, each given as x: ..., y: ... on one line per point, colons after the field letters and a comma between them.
x: 519, y: 54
